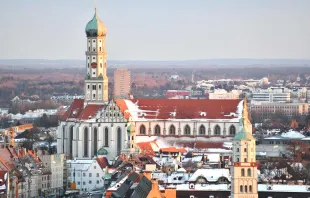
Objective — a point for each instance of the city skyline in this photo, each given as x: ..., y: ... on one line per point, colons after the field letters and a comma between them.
x: 209, y: 29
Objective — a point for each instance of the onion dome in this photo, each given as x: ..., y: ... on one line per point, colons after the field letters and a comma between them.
x: 131, y: 128
x: 102, y: 151
x: 95, y: 27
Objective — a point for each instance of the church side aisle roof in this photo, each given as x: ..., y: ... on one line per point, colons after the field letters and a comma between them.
x: 90, y: 110
x: 179, y: 108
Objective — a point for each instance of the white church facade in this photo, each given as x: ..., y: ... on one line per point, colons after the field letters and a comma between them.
x: 117, y: 125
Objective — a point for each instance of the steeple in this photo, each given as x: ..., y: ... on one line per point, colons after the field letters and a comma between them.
x: 244, y: 170
x: 246, y: 131
x: 96, y: 80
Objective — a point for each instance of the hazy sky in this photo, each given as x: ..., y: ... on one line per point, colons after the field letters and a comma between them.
x: 157, y: 29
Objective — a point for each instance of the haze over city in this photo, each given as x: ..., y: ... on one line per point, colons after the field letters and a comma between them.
x: 158, y: 30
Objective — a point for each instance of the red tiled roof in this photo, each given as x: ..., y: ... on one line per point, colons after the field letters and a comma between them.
x: 184, y: 109
x: 89, y: 110
x: 77, y: 110
x: 202, y: 145
x: 74, y: 110
x: 6, y: 162
x: 123, y: 107
x: 173, y: 150
x: 146, y: 147
x: 103, y: 162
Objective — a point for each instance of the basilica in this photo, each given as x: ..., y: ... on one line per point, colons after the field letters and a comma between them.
x: 99, y: 125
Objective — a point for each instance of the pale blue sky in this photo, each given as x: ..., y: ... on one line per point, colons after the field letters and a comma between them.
x: 157, y: 29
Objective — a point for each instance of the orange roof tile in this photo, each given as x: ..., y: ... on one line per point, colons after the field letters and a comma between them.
x: 146, y: 147
x: 74, y: 110
x: 103, y: 162
x: 173, y: 150
x: 90, y: 110
x: 184, y: 109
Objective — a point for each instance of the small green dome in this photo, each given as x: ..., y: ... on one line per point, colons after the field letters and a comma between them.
x: 102, y: 151
x: 242, y: 135
x: 131, y: 128
x: 95, y: 27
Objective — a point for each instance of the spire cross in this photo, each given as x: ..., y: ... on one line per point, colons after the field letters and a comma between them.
x: 95, y: 5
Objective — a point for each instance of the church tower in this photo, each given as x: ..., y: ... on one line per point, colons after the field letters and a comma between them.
x: 244, y: 170
x: 96, y: 80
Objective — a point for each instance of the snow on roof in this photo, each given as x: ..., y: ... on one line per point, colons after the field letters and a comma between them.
x: 214, y: 157
x: 275, y: 138
x: 293, y: 135
x: 306, y: 138
x: 211, y: 175
x: 283, y: 188
x: 80, y: 164
x: 204, y: 187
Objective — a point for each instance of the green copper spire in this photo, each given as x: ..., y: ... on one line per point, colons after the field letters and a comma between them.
x: 95, y: 27
x: 246, y: 131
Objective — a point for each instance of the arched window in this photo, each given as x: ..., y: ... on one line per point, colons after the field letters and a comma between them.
x: 119, y: 140
x: 157, y: 130
x: 172, y: 130
x: 187, y: 130
x: 244, y: 149
x: 77, y: 137
x: 106, y: 137
x: 95, y: 141
x: 238, y: 159
x: 217, y: 130
x: 71, y: 140
x: 250, y: 188
x: 249, y: 172
x: 142, y: 129
x: 242, y: 172
x: 63, y: 138
x: 232, y: 130
x: 241, y: 188
x: 202, y: 130
x: 85, y: 142
x: 245, y: 188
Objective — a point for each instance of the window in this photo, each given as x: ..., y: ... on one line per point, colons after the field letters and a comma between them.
x: 187, y: 130
x: 242, y: 172
x: 84, y: 174
x: 85, y: 142
x: 100, y: 49
x: 78, y: 183
x: 250, y: 188
x: 89, y: 174
x: 246, y: 188
x: 84, y: 183
x: 202, y: 130
x: 94, y: 49
x: 249, y: 172
x: 217, y: 130
x: 95, y: 167
x: 245, y: 160
x: 97, y: 174
x: 89, y: 181
x: 142, y: 129
x: 88, y: 65
x: 100, y: 65
x: 95, y: 142
x: 97, y: 181
x: 238, y: 159
x: 172, y: 130
x: 232, y: 130
x: 157, y: 130
x: 93, y: 58
x: 106, y: 137
x: 241, y: 188
x: 237, y: 149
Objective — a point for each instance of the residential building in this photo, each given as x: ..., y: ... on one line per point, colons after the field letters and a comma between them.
x: 177, y: 94
x: 223, y: 94
x: 271, y: 95
x: 265, y: 110
x: 122, y: 83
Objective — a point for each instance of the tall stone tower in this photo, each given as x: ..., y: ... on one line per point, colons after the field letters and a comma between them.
x: 96, y: 80
x: 244, y: 170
